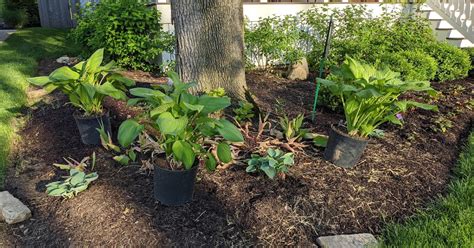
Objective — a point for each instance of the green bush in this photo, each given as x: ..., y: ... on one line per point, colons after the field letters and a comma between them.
x: 276, y: 38
x: 412, y: 65
x: 130, y: 32
x: 29, y: 6
x: 15, y: 18
x: 453, y: 63
x: 470, y: 51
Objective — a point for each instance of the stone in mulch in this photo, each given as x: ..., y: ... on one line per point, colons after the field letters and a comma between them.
x: 12, y: 210
x: 299, y: 70
x: 347, y: 241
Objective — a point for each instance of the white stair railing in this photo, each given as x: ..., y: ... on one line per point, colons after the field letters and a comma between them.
x: 459, y: 13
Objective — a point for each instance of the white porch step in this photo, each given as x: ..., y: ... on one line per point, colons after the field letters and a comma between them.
x: 462, y: 43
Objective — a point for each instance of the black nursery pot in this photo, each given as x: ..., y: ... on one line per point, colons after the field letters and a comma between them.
x: 344, y: 150
x: 88, y: 126
x: 174, y: 188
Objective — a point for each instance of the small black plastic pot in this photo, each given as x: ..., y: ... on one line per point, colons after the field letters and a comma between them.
x: 344, y: 150
x: 174, y: 188
x: 88, y: 126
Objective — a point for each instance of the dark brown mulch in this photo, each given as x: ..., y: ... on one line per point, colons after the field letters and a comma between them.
x: 397, y: 175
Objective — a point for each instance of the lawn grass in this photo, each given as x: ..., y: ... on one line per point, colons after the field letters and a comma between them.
x: 19, y: 56
x: 447, y: 223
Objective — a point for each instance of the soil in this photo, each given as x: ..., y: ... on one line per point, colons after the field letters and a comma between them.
x: 397, y: 175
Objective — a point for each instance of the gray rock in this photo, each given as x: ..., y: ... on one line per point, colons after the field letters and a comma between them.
x: 12, y: 210
x: 299, y: 71
x: 348, y: 241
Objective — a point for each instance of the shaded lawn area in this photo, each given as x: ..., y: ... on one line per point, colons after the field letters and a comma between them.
x: 447, y: 223
x: 19, y: 56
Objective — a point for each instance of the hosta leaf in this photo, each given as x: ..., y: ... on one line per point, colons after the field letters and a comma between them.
x: 109, y: 90
x: 122, y: 159
x: 160, y: 109
x: 146, y: 92
x: 210, y: 162
x: 78, y: 178
x: 39, y: 81
x: 63, y: 74
x: 229, y: 131
x: 169, y: 125
x: 269, y: 171
x: 128, y: 132
x: 183, y: 152
x: 320, y: 141
x: 212, y: 104
x: 94, y: 61
x: 193, y: 107
x: 223, y: 152
x: 119, y: 78
x: 57, y: 192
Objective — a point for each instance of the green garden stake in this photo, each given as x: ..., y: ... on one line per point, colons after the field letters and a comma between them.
x: 321, y: 66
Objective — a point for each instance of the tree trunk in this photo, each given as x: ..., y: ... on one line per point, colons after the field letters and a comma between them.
x: 210, y: 44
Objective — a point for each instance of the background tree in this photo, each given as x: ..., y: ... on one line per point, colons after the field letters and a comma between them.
x: 210, y: 43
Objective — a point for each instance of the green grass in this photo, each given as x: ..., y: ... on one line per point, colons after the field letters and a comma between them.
x: 19, y: 56
x: 447, y: 223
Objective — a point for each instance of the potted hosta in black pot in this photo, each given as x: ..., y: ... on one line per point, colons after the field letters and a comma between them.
x: 187, y: 132
x: 370, y: 97
x: 87, y: 84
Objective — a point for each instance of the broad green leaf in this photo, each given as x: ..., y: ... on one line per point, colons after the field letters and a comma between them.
x: 160, y: 109
x: 122, y: 159
x: 269, y: 171
x: 320, y: 141
x: 229, y: 131
x: 63, y: 74
x: 39, y: 81
x: 223, y: 152
x: 56, y: 192
x: 146, y: 92
x: 128, y: 132
x: 210, y: 162
x: 404, y: 105
x: 109, y: 90
x: 94, y: 61
x: 89, y: 88
x: 119, y: 78
x: 169, y: 125
x: 212, y: 104
x: 133, y: 101
x: 193, y: 107
x: 78, y: 178
x: 183, y: 152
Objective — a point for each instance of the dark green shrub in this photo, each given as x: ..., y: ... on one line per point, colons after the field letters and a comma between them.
x: 412, y: 65
x: 470, y: 51
x: 129, y: 31
x: 453, y: 62
x: 15, y: 18
x: 29, y: 6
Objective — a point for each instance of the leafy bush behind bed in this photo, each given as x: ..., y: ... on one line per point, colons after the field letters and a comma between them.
x: 19, y: 13
x: 130, y: 32
x: 404, y: 43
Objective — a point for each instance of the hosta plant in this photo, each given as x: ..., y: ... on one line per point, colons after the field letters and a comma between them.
x: 87, y: 83
x: 77, y: 180
x: 183, y: 124
x: 292, y: 128
x: 245, y: 111
x: 275, y: 162
x: 371, y: 97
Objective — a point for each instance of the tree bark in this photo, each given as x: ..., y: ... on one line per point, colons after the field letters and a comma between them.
x: 210, y: 44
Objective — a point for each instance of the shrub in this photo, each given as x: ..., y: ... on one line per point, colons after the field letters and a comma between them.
x: 15, y: 18
x: 412, y: 65
x: 470, y: 51
x: 453, y: 63
x: 275, y: 38
x: 29, y: 6
x: 130, y: 32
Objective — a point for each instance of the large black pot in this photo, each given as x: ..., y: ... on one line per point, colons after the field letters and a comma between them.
x: 344, y: 150
x: 88, y: 126
x: 174, y: 188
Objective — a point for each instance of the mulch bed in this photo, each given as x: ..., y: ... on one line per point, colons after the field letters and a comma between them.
x: 397, y: 175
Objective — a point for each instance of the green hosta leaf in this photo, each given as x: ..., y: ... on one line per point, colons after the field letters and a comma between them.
x: 132, y: 155
x: 223, y: 152
x: 229, y: 131
x: 133, y: 101
x: 269, y: 171
x: 89, y: 89
x: 183, y: 152
x: 122, y: 159
x: 320, y: 141
x: 63, y: 74
x: 109, y: 90
x: 169, y: 125
x: 93, y: 63
x: 78, y: 178
x: 251, y: 168
x: 146, y: 92
x: 91, y: 177
x: 212, y: 104
x: 404, y: 105
x: 57, y: 192
x: 160, y: 109
x: 128, y: 132
x: 210, y: 162
x: 39, y: 81
x: 79, y: 66
x: 79, y: 188
x: 193, y: 107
